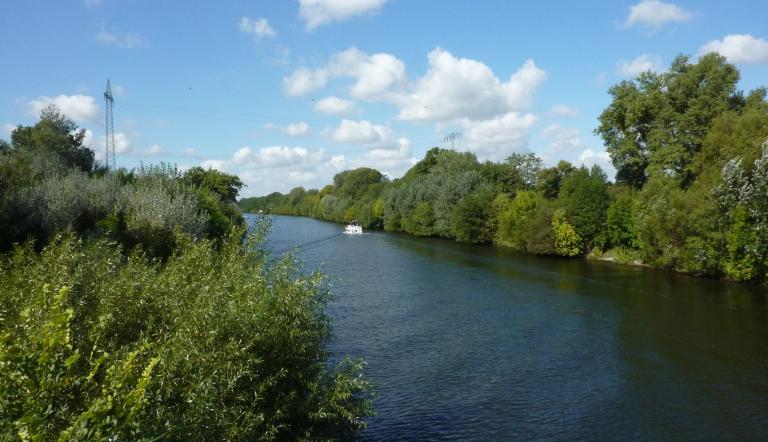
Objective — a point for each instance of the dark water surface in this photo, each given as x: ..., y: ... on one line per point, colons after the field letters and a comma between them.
x: 480, y: 343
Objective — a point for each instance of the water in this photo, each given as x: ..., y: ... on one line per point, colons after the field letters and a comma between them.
x: 480, y: 343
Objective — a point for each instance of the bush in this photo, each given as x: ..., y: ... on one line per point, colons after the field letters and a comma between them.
x: 217, y: 343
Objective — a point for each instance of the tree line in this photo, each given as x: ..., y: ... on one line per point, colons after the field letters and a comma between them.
x: 690, y: 193
x: 132, y: 309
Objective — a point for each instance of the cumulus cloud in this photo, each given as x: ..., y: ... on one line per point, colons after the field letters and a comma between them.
x: 374, y: 75
x: 654, y: 13
x: 8, y: 129
x: 568, y: 143
x: 152, y: 150
x: 119, y: 38
x: 496, y: 138
x: 563, y: 142
x: 739, y: 48
x: 123, y: 143
x: 259, y: 28
x: 276, y: 156
x: 642, y: 63
x: 80, y: 108
x: 561, y: 110
x: 297, y: 129
x: 589, y: 158
x: 118, y: 90
x: 464, y: 88
x: 393, y: 160
x: 322, y: 12
x: 334, y: 106
x: 303, y: 81
x: 272, y: 168
x: 361, y: 132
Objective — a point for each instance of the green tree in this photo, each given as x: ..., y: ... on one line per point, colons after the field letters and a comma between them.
x: 471, y: 220
x: 584, y: 195
x: 656, y: 123
x: 567, y: 241
x: 224, y: 185
x: 58, y: 135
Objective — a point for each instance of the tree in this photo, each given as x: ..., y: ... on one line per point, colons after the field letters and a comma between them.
x: 567, y: 241
x: 656, y: 123
x: 549, y: 180
x: 57, y: 134
x: 224, y: 185
x: 470, y: 220
x: 584, y: 195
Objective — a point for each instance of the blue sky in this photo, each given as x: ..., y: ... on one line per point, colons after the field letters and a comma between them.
x: 288, y: 93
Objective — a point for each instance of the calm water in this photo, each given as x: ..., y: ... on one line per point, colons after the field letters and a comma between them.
x: 480, y: 343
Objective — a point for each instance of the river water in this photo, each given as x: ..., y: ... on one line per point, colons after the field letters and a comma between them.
x: 481, y: 343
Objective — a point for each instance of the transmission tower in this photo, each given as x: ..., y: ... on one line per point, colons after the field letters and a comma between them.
x: 109, y: 104
x: 452, y: 137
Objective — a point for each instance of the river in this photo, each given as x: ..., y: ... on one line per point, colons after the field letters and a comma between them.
x: 472, y: 342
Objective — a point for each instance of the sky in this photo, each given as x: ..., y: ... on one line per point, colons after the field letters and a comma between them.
x: 289, y: 93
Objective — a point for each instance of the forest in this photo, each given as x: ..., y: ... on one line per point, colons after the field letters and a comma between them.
x: 690, y: 193
x: 135, y: 305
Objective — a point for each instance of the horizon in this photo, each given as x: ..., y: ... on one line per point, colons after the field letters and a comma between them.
x: 289, y: 94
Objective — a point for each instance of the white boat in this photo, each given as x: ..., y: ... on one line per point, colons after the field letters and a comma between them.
x: 353, y: 228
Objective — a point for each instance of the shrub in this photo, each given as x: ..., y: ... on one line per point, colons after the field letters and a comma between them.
x: 217, y: 343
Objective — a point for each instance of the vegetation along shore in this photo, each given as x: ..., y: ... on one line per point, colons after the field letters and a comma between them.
x: 690, y: 194
x: 131, y: 308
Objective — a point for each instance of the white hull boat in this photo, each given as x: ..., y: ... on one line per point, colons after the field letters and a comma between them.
x: 353, y: 228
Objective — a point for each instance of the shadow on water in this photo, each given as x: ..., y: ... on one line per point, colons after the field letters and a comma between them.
x: 481, y: 343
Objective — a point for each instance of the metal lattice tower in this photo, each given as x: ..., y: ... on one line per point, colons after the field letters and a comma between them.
x: 452, y: 137
x: 109, y: 104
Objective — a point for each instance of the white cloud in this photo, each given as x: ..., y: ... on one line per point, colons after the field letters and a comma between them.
x: 361, y: 132
x: 153, y: 150
x: 8, y: 129
x: 118, y: 90
x: 566, y: 143
x: 259, y: 27
x: 321, y: 12
x: 464, y: 88
x: 589, y: 157
x: 123, y: 144
x: 561, y: 110
x: 654, y: 13
x: 276, y: 156
x: 563, y: 142
x: 496, y: 138
x: 121, y: 39
x: 190, y: 152
x: 334, y: 106
x: 304, y: 81
x: 642, y: 63
x: 297, y: 129
x: 80, y: 108
x: 739, y: 48
x: 374, y: 75
x: 392, y: 161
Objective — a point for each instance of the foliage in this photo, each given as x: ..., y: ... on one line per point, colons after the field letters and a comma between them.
x: 55, y: 134
x: 217, y: 342
x: 584, y: 195
x: 567, y: 240
x: 673, y: 138
x: 656, y: 123
x: 470, y: 220
x: 743, y: 199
